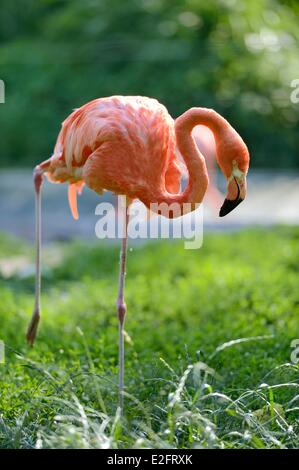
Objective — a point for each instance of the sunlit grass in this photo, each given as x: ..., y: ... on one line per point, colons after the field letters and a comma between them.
x: 208, y: 345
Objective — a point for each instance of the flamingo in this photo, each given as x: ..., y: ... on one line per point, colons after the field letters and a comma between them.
x: 127, y: 145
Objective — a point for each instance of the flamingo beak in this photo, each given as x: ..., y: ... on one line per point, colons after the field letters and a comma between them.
x: 228, y: 206
x: 236, y: 194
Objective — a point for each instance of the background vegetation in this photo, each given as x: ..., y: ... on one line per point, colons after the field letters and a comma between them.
x: 238, y: 56
x: 208, y: 345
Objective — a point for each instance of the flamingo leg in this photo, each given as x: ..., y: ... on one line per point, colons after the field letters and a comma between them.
x: 32, y: 328
x: 122, y: 309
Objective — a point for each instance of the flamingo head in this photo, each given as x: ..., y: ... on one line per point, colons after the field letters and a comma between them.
x: 234, y: 165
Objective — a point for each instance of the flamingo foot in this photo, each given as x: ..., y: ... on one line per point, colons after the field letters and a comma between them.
x: 33, y: 325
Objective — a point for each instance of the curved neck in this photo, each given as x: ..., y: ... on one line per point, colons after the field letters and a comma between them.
x: 198, y: 176
x: 195, y: 162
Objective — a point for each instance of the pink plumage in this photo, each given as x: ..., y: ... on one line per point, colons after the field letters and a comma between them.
x: 122, y: 144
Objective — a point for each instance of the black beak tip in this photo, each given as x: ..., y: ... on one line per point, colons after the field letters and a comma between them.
x: 228, y: 206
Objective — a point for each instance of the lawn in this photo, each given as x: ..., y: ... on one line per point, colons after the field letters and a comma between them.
x: 208, y: 344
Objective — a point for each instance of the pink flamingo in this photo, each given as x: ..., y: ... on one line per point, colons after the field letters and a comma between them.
x: 128, y: 145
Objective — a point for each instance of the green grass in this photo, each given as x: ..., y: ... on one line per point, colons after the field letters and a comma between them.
x: 185, y: 386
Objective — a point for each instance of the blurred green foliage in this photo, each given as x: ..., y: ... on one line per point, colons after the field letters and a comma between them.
x: 237, y: 56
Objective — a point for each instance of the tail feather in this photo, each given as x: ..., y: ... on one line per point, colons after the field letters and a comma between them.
x: 74, y: 189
